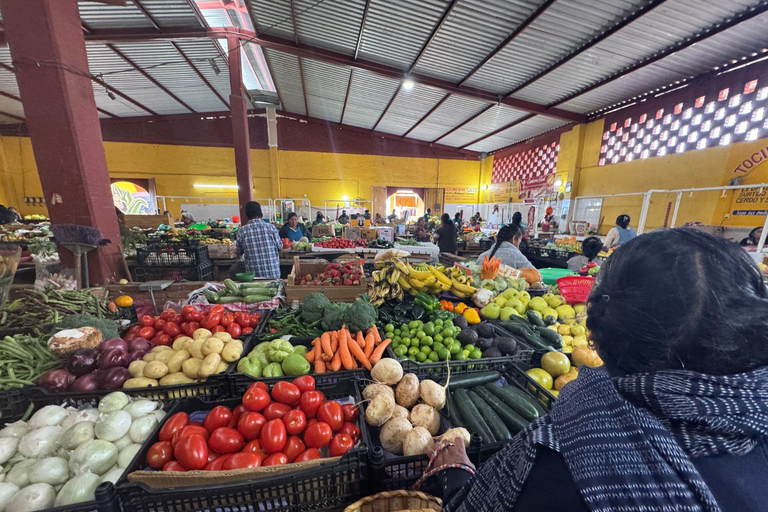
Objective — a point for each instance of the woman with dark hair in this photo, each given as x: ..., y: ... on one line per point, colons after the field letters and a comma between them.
x: 621, y: 233
x: 675, y: 420
x: 517, y: 218
x: 294, y: 230
x: 319, y: 219
x: 446, y: 235
x: 753, y: 238
x: 420, y: 231
x: 590, y: 248
x: 507, y: 248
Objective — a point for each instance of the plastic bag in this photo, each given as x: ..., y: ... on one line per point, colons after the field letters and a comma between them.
x: 53, y: 276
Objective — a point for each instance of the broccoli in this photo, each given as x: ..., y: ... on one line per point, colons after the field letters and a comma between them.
x: 312, y: 309
x: 108, y: 328
x: 334, y: 315
x: 361, y: 315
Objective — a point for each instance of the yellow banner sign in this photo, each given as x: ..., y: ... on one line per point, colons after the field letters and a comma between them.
x: 501, y: 192
x: 750, y: 201
x: 461, y: 195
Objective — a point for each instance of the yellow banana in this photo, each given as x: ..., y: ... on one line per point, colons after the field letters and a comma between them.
x: 440, y: 276
x: 456, y: 285
x: 417, y: 285
x: 445, y: 287
x: 429, y: 280
x: 434, y: 289
x: 403, y: 282
x: 459, y: 294
x: 402, y: 267
x: 418, y: 274
x: 413, y: 291
x: 393, y: 276
x: 379, y: 265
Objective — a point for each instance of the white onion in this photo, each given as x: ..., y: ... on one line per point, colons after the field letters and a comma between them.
x: 19, y: 474
x: 48, y: 416
x: 79, y: 489
x: 76, y: 435
x: 125, y: 457
x: 123, y: 442
x: 8, y: 446
x: 88, y: 414
x: 113, y: 476
x: 15, y: 429
x: 142, y: 428
x: 160, y: 415
x: 6, y: 493
x: 52, y: 470
x: 40, y: 442
x: 34, y: 497
x: 114, y: 401
x: 112, y: 425
x: 139, y: 408
x: 95, y: 456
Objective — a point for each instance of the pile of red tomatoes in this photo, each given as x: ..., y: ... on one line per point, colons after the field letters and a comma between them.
x: 293, y: 423
x: 164, y: 329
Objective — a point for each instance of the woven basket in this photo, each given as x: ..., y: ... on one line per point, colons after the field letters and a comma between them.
x: 397, y: 501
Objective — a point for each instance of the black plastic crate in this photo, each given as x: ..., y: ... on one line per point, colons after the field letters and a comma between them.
x: 14, y: 404
x: 544, y: 397
x: 164, y: 255
x: 326, y: 487
x: 202, y: 272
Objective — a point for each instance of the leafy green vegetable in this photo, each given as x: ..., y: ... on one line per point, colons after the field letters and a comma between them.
x: 108, y: 328
x: 312, y: 309
x: 334, y: 316
x: 361, y: 315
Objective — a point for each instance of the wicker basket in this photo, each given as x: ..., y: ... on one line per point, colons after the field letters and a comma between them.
x: 397, y: 501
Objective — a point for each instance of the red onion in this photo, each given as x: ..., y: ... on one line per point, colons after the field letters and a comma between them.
x: 113, y: 343
x: 56, y: 381
x: 113, y: 378
x: 112, y: 358
x: 139, y: 344
x: 136, y: 355
x: 82, y: 361
x: 87, y: 382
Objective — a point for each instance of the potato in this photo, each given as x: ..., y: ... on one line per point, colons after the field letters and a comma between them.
x: 432, y: 393
x: 372, y: 390
x: 155, y: 370
x: 201, y: 334
x: 164, y: 356
x: 195, y: 349
x: 392, y: 434
x: 232, y: 351
x: 191, y: 367
x: 223, y: 336
x: 136, y: 368
x: 222, y: 367
x: 425, y: 416
x: 387, y: 371
x: 209, y: 365
x: 139, y: 382
x: 379, y: 410
x: 453, y: 433
x: 400, y: 412
x: 407, y: 391
x: 212, y: 346
x: 416, y: 441
x: 175, y: 378
x: 161, y: 348
x: 181, y: 343
x: 174, y: 363
x: 148, y: 357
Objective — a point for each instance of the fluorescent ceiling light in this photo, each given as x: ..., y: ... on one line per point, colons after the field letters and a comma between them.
x: 210, y: 185
x: 345, y: 197
x: 404, y: 192
x: 408, y: 84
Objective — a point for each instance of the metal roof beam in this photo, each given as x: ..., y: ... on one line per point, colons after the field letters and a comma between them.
x: 12, y: 116
x: 146, y: 14
x: 425, y: 116
x: 456, y: 128
x: 149, y: 77
x: 359, y: 43
x: 431, y: 37
x: 386, y: 109
x: 498, y: 130
x: 199, y: 74
x: 346, y: 96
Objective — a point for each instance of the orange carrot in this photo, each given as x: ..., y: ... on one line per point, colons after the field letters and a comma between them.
x: 346, y: 357
x: 356, y: 351
x: 360, y: 339
x: 320, y: 366
x: 376, y: 335
x: 310, y: 355
x: 317, y: 351
x: 370, y: 344
x: 335, y: 362
x: 379, y: 351
x: 325, y: 339
x: 334, y: 341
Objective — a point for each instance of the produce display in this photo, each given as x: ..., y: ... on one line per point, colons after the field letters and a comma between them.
x: 62, y: 454
x: 335, y: 274
x: 292, y: 322
x: 335, y: 350
x: 380, y: 243
x: 275, y: 358
x: 408, y: 241
x: 23, y: 360
x: 169, y: 325
x: 302, y: 245
x: 393, y: 277
x: 249, y: 293
x: 556, y: 369
x: 336, y: 243
x: 291, y: 422
x: 37, y: 310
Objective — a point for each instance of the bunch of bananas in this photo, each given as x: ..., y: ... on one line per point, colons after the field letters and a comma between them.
x: 393, y: 277
x: 460, y: 283
x: 385, y: 281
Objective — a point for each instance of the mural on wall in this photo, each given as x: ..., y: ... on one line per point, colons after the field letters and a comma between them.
x: 131, y: 199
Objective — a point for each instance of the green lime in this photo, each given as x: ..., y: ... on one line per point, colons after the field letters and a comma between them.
x: 413, y: 351
x: 415, y: 343
x: 438, y: 346
x: 404, y: 328
x: 449, y: 341
x: 413, y: 325
x: 456, y: 331
x: 389, y: 328
x: 438, y: 323
x: 401, y: 351
x: 411, y: 358
x: 469, y: 347
x: 444, y: 354
x: 421, y: 357
x: 425, y: 349
x: 461, y: 356
x: 433, y: 356
x: 455, y: 348
x: 405, y: 340
x: 429, y: 328
x: 413, y: 331
x: 438, y: 338
x: 466, y: 353
x: 476, y: 353
x: 427, y: 340
x: 448, y: 324
x: 447, y: 333
x: 420, y: 334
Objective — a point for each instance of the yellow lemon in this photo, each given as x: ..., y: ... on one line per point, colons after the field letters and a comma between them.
x: 541, y: 377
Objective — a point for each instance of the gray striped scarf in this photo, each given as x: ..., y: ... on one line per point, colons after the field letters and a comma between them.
x: 628, y: 441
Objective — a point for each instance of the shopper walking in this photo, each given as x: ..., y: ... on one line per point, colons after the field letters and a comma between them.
x: 507, y: 248
x: 446, y: 235
x: 294, y: 230
x: 590, y: 248
x: 677, y: 419
x: 621, y: 233
x: 259, y: 243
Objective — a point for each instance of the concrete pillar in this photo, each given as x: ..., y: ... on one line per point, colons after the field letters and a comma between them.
x: 48, y: 51
x: 240, y: 135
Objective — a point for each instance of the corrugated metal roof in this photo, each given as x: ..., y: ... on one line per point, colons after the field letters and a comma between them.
x: 368, y: 98
x: 171, y: 13
x: 453, y: 112
x: 330, y: 24
x: 487, y: 122
x: 408, y: 108
x: 197, y: 50
x: 525, y: 130
x: 101, y: 16
x: 285, y: 73
x: 326, y: 88
x: 273, y: 17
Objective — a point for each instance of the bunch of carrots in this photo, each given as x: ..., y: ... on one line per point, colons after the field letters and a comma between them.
x: 335, y: 350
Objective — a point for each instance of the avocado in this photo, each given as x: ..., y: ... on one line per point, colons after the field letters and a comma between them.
x: 460, y: 321
x: 485, y: 330
x: 492, y: 352
x: 483, y: 343
x: 506, y: 345
x: 467, y: 336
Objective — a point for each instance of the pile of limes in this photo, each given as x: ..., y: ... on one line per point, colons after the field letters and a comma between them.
x: 431, y: 341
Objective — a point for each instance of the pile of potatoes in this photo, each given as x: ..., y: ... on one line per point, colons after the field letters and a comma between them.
x: 187, y: 360
x: 406, y: 410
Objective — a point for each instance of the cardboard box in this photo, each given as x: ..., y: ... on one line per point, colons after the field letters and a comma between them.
x: 322, y: 230
x: 148, y: 221
x: 334, y: 293
x: 369, y: 234
x: 387, y: 233
x: 222, y: 251
x: 352, y: 232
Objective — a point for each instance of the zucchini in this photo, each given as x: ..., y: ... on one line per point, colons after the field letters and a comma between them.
x: 550, y: 320
x: 498, y: 428
x: 229, y: 299
x: 551, y: 337
x: 534, y: 318
x: 511, y: 419
x: 517, y: 399
x: 211, y: 296
x: 232, y: 286
x: 470, y: 380
x: 528, y: 336
x: 475, y: 422
x: 253, y: 299
x: 453, y: 412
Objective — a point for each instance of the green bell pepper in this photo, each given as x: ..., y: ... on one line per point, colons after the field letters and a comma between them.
x: 272, y: 370
x: 428, y: 302
x: 250, y: 366
x: 278, y: 349
x: 442, y: 314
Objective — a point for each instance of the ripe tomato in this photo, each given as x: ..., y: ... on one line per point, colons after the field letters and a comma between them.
x: 188, y: 431
x: 234, y: 329
x: 340, y: 444
x: 218, y: 309
x: 193, y: 326
x: 167, y: 314
x: 331, y: 413
x: 351, y: 412
x: 218, y: 417
x: 135, y: 328
x: 236, y: 413
x: 255, y: 319
x: 226, y: 440
x: 293, y: 447
x: 318, y: 435
x: 276, y: 459
x: 146, y: 321
x: 351, y: 430
x: 308, y: 454
x: 211, y: 321
x: 174, y: 424
x: 304, y: 383
x: 147, y: 332
x: 159, y: 454
x: 227, y: 319
x: 242, y: 460
x: 255, y: 447
x: 171, y: 328
x: 177, y: 319
x: 186, y: 310
x: 217, y: 464
x: 247, y: 330
x: 161, y: 339
x: 260, y: 385
x: 243, y: 319
x: 174, y: 465
x: 159, y: 324
x: 276, y: 411
x: 256, y: 397
x: 286, y: 393
x: 295, y: 421
x: 192, y: 451
x: 272, y: 436
x: 195, y: 316
x: 218, y: 328
x: 310, y: 402
x: 250, y: 425
x: 311, y: 421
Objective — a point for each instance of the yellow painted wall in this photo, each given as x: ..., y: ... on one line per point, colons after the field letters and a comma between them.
x: 321, y: 176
